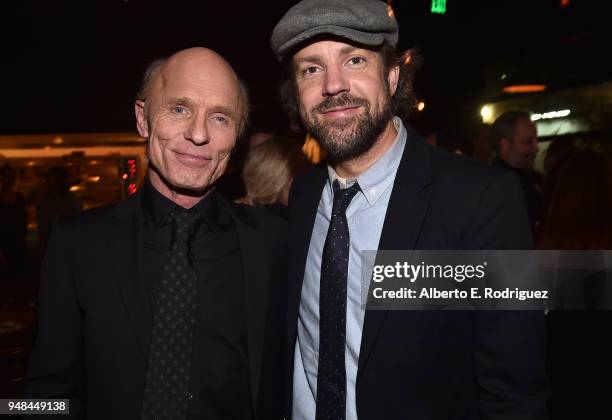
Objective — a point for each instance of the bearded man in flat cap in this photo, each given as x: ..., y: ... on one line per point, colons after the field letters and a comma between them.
x: 384, y: 188
x: 166, y: 305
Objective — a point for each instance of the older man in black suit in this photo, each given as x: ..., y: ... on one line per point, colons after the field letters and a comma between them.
x: 385, y: 188
x: 167, y: 304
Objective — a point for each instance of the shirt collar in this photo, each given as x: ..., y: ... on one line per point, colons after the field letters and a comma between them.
x: 380, y: 176
x: 157, y: 208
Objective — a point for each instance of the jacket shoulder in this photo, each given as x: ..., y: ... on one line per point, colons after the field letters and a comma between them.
x: 461, y: 170
x: 99, y: 219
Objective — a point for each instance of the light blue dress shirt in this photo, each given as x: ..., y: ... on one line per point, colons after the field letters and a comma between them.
x: 365, y: 216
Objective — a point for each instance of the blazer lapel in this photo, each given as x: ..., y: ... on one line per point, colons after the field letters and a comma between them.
x: 125, y: 246
x: 403, y: 221
x: 302, y: 216
x: 256, y: 280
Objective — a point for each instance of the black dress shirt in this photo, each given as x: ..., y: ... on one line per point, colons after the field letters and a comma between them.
x: 219, y: 375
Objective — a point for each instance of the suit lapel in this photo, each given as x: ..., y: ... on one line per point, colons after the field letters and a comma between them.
x: 403, y: 221
x: 303, y: 207
x: 255, y: 272
x: 303, y: 212
x: 125, y: 246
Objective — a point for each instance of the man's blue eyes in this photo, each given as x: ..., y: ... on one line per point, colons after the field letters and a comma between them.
x: 222, y: 120
x: 182, y: 111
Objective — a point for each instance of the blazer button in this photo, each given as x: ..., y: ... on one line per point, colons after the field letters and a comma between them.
x: 189, y: 396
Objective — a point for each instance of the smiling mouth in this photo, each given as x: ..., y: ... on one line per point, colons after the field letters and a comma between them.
x: 340, y: 111
x: 193, y: 161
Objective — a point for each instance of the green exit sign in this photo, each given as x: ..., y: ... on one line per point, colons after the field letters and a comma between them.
x: 438, y: 6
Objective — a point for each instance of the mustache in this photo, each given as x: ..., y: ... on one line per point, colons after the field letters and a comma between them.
x: 344, y: 100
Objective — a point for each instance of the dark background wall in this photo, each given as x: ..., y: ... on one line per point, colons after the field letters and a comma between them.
x: 73, y: 66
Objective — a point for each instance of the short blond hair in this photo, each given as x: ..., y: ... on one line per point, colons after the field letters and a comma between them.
x: 269, y: 169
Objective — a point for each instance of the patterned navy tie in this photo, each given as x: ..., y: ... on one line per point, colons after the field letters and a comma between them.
x: 331, y: 375
x: 166, y: 392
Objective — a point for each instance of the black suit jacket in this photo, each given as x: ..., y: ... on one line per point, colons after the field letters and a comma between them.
x: 95, y: 319
x: 438, y: 364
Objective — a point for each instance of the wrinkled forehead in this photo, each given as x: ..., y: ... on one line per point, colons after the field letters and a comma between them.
x: 201, y: 82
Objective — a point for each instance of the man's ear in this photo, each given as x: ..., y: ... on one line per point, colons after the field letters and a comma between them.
x: 393, y: 78
x: 141, y: 121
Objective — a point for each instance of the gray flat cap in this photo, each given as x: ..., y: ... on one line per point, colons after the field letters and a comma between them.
x: 365, y: 22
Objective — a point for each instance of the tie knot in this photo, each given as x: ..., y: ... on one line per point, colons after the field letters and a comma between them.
x: 185, y: 225
x: 343, y: 197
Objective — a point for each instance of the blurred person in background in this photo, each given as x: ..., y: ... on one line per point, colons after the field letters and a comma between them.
x: 557, y: 153
x: 515, y: 141
x: 57, y: 201
x: 580, y: 342
x: 13, y: 225
x: 481, y: 143
x: 581, y: 204
x: 259, y: 137
x: 268, y: 172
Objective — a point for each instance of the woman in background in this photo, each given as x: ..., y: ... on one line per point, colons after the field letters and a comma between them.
x: 268, y: 172
x: 580, y: 342
x: 578, y: 216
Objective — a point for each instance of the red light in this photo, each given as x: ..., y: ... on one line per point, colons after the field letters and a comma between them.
x: 565, y: 3
x: 132, y: 168
x: 131, y: 188
x: 524, y: 88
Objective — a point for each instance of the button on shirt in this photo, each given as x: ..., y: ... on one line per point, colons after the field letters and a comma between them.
x: 365, y: 216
